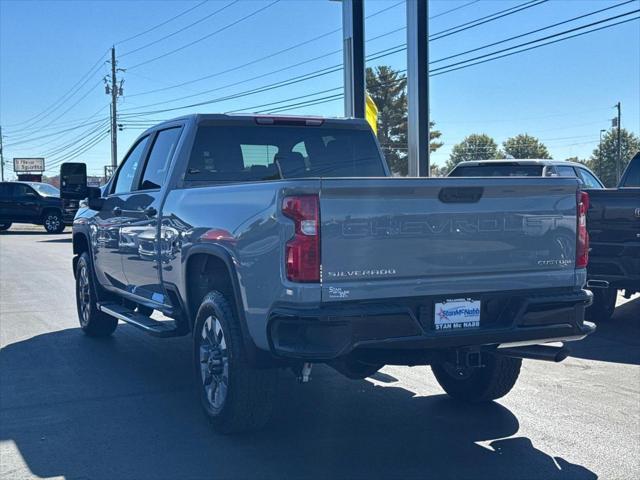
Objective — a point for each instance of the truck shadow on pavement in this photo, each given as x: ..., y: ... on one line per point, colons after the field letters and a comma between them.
x: 124, y: 408
x: 57, y: 240
x: 616, y: 340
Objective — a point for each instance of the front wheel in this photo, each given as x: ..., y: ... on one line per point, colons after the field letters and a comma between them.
x: 234, y: 396
x: 479, y: 384
x: 93, y: 322
x: 53, y: 222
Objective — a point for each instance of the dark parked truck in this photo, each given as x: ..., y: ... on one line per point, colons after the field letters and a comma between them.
x: 284, y: 242
x: 614, y: 227
x: 37, y: 203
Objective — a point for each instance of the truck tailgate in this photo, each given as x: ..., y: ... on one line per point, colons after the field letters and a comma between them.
x: 400, y: 237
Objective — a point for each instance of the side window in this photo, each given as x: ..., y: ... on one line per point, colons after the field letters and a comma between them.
x: 565, y: 171
x: 127, y: 172
x: 5, y: 190
x: 588, y: 179
x: 21, y: 190
x: 162, y: 151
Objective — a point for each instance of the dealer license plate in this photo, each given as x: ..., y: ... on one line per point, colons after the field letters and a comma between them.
x: 457, y: 314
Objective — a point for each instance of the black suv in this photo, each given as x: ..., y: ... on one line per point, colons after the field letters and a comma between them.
x: 37, y: 203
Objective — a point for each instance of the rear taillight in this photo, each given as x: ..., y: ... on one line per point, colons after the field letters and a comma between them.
x: 582, y: 247
x: 302, y: 252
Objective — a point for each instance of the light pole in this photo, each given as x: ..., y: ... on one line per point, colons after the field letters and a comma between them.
x: 600, y: 153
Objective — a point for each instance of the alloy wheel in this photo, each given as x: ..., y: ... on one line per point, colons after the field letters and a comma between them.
x: 84, y: 295
x: 214, y: 363
x: 52, y: 223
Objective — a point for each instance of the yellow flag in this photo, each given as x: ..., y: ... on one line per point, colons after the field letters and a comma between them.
x: 371, y: 114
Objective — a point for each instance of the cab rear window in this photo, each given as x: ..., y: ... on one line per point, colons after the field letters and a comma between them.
x: 273, y: 152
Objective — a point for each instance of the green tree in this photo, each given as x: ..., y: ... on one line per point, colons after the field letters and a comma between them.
x: 603, y: 160
x: 525, y: 146
x: 477, y: 146
x: 387, y: 88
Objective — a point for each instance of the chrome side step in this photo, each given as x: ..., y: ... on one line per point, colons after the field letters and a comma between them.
x: 153, y: 327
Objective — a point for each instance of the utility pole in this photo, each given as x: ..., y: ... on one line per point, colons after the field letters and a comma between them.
x: 1, y: 157
x: 619, y: 157
x: 115, y: 90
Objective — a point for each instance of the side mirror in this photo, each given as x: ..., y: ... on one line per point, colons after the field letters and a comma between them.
x: 94, y: 198
x: 73, y: 181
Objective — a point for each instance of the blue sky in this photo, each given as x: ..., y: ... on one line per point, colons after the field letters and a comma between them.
x: 562, y: 93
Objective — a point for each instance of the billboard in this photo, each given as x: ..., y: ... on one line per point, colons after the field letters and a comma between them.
x: 28, y: 165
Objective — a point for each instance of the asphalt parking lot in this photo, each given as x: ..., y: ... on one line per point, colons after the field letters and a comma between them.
x: 79, y: 408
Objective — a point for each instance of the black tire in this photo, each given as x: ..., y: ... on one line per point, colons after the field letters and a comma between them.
x: 53, y: 222
x: 235, y: 397
x: 5, y: 226
x: 603, y: 306
x: 483, y: 384
x: 92, y: 321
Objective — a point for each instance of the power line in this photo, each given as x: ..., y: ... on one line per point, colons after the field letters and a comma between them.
x: 215, y: 32
x: 297, y: 45
x: 61, y: 148
x: 70, y: 129
x: 336, y: 68
x: 86, y: 146
x: 67, y: 96
x: 486, y: 19
x: 68, y: 123
x: 310, y: 103
x: 162, y: 23
x: 22, y: 140
x: 445, y: 69
x: 206, y: 17
x: 283, y: 101
x: 464, y: 5
x: 57, y: 160
x: 535, y: 31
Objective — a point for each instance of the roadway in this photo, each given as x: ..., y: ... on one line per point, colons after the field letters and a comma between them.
x: 80, y: 408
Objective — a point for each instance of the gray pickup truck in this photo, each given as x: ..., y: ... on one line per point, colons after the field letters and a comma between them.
x: 283, y: 242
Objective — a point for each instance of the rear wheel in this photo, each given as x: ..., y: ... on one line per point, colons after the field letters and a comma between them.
x: 603, y: 306
x: 479, y: 384
x: 53, y: 222
x: 234, y: 396
x: 92, y: 321
x: 5, y: 226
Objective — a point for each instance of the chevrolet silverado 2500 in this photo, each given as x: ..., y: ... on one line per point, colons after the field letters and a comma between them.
x: 282, y: 242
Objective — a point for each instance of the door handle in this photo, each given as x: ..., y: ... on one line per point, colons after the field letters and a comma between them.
x: 117, y: 211
x: 150, y: 212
